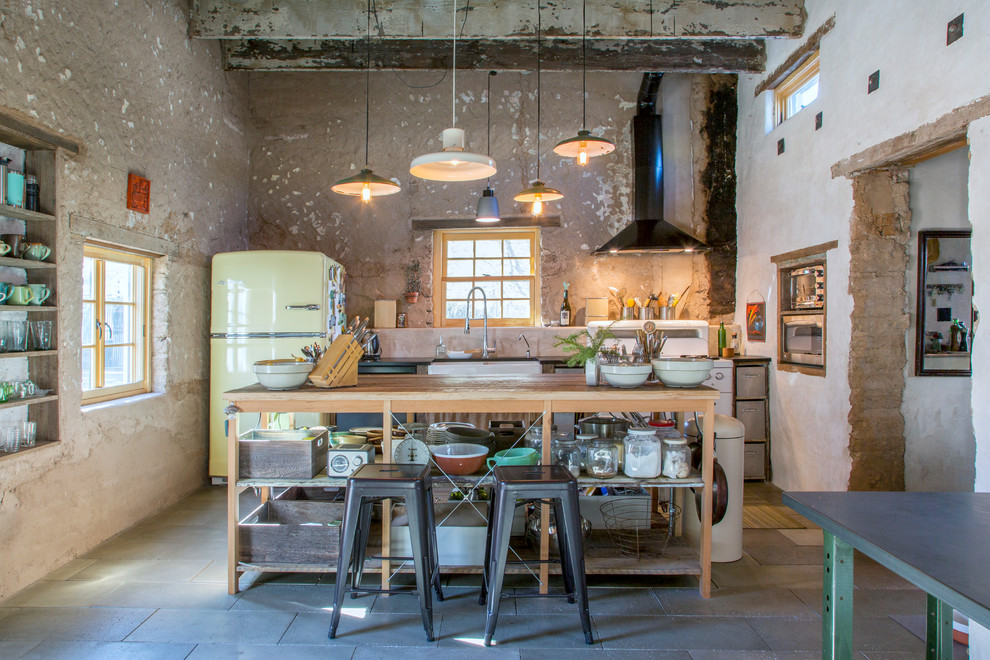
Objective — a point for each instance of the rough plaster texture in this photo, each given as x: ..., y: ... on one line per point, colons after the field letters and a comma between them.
x: 791, y: 201
x: 940, y: 445
x: 880, y: 228
x: 301, y: 148
x: 125, y: 80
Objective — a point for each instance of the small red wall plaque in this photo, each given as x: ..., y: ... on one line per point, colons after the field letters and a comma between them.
x: 138, y: 193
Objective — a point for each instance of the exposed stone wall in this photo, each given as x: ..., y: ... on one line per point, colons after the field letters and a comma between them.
x: 124, y: 79
x: 880, y: 230
x: 719, y: 181
x: 301, y: 148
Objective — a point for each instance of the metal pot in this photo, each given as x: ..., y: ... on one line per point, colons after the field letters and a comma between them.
x: 604, y: 427
x: 534, y: 527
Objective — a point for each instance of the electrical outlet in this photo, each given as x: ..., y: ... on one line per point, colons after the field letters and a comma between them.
x: 874, y: 82
x: 954, y: 29
x: 818, y: 121
x: 780, y: 146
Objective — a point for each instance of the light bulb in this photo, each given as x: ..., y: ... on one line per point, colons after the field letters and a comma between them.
x: 366, y: 193
x: 538, y: 205
x: 583, y: 153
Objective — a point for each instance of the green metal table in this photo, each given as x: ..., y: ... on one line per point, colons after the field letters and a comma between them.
x: 939, y: 542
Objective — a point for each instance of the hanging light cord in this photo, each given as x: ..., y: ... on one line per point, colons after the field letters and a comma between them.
x: 539, y: 28
x: 584, y: 63
x: 453, y: 87
x: 491, y: 74
x: 367, y: 91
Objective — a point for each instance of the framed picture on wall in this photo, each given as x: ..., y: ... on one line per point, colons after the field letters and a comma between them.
x: 756, y: 321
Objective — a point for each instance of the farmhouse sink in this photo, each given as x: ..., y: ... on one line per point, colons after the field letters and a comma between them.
x: 497, y: 367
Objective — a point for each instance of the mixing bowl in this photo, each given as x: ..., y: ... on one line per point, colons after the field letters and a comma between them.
x: 459, y: 458
x: 683, y: 371
x: 282, y: 374
x: 626, y: 375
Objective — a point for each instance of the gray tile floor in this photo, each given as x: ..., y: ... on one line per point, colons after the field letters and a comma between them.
x: 158, y: 590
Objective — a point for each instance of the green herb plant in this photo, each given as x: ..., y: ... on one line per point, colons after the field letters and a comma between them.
x: 583, y: 346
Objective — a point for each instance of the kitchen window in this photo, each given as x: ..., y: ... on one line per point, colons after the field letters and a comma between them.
x: 115, y: 323
x: 796, y: 91
x: 505, y: 264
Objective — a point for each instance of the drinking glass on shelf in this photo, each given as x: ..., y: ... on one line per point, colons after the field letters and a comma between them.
x: 4, y: 336
x: 13, y: 437
x: 25, y: 388
x: 18, y: 335
x: 29, y: 433
x: 41, y: 335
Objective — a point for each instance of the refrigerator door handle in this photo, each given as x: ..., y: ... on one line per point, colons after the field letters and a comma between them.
x: 312, y: 307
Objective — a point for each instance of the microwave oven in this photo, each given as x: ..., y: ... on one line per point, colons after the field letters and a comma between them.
x: 807, y: 287
x: 803, y: 339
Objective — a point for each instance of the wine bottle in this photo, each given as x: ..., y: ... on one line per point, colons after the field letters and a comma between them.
x: 565, y: 308
x: 721, y: 337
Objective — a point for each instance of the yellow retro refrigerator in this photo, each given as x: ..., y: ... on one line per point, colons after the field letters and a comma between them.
x: 266, y: 304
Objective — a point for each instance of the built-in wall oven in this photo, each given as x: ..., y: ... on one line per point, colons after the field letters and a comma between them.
x: 803, y: 338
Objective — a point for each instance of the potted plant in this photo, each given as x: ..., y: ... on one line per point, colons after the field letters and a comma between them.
x: 413, y: 284
x: 584, y: 348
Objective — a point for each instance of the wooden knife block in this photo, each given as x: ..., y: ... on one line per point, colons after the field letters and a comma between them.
x: 339, y: 365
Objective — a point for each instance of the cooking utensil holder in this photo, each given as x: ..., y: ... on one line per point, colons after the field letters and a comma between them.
x: 339, y: 365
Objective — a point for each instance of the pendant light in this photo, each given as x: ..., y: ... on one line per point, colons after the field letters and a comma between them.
x: 453, y: 163
x: 488, y: 204
x: 585, y: 145
x: 538, y: 192
x: 367, y: 184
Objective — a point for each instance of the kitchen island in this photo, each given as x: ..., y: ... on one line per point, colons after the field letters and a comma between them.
x: 408, y: 394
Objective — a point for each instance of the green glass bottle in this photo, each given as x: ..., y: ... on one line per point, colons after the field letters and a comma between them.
x: 721, y: 337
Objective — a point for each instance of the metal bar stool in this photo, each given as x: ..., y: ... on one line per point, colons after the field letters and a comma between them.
x: 517, y: 485
x: 373, y: 483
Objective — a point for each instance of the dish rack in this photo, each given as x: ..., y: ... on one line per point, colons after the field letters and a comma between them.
x: 339, y: 365
x: 638, y: 533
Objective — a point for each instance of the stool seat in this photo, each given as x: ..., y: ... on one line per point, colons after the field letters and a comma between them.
x: 536, y: 475
x: 389, y: 473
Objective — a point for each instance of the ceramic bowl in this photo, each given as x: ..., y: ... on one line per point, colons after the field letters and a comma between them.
x: 282, y: 374
x: 458, y: 355
x: 682, y: 372
x: 626, y: 375
x: 457, y: 434
x: 459, y: 458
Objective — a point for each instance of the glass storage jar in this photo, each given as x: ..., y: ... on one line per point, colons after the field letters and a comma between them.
x: 676, y: 458
x: 603, y: 459
x: 641, y: 458
x: 585, y: 439
x: 568, y: 454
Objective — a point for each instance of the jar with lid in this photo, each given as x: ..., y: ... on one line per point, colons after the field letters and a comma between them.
x: 676, y: 458
x: 642, y: 453
x: 583, y: 440
x: 568, y: 454
x: 603, y: 459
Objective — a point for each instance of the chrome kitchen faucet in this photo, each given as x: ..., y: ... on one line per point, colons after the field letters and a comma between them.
x: 467, y: 322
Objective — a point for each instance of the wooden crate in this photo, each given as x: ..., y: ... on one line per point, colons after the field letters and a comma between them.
x: 292, y: 532
x: 282, y: 454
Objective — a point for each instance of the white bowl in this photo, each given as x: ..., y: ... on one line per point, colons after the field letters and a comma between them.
x: 682, y: 372
x: 282, y: 374
x: 458, y: 355
x: 626, y: 375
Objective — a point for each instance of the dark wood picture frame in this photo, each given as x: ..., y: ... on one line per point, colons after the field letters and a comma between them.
x: 919, y: 322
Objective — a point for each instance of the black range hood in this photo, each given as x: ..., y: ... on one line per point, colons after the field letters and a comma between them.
x: 649, y: 232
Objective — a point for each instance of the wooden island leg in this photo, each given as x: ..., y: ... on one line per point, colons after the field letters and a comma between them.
x: 386, y: 504
x: 545, y: 508
x: 233, y: 514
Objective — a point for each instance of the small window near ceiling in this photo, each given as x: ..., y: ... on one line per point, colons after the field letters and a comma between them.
x: 504, y: 264
x: 115, y: 323
x: 797, y: 90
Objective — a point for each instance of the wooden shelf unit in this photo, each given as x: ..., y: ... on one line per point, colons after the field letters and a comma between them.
x: 546, y: 394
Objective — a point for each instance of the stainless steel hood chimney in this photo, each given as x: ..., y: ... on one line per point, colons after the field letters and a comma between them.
x: 649, y: 232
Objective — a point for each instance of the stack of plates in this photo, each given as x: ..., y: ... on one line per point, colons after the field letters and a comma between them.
x: 437, y: 433
x: 482, y: 437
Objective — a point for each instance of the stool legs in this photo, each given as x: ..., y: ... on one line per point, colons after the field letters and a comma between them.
x: 564, y: 539
x: 496, y: 562
x: 432, y: 537
x: 575, y: 552
x: 361, y: 545
x: 492, y: 517
x: 422, y: 560
x: 348, y: 534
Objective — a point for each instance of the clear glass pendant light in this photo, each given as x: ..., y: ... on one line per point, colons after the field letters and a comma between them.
x: 538, y: 192
x: 488, y: 204
x: 585, y: 145
x: 454, y: 163
x: 366, y: 183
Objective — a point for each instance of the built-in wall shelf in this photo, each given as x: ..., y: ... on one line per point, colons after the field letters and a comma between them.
x: 26, y: 264
x: 8, y: 211
x: 28, y: 308
x: 28, y: 401
x: 27, y: 354
x: 40, y: 444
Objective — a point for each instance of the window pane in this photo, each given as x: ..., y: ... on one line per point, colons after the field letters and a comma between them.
x: 89, y: 277
x: 457, y: 290
x: 121, y: 321
x: 516, y: 309
x: 491, y: 289
x: 488, y: 268
x: 806, y: 94
x: 119, y: 281
x: 88, y: 324
x: 516, y: 289
x: 494, y: 309
x: 456, y: 310
x: 117, y: 367
x: 516, y: 267
x: 460, y: 249
x: 488, y: 248
x: 88, y: 376
x: 460, y: 268
x: 517, y: 248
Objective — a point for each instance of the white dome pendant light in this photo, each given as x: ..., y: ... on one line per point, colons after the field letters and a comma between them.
x: 488, y: 204
x: 366, y: 184
x: 453, y: 163
x: 585, y: 145
x: 538, y: 193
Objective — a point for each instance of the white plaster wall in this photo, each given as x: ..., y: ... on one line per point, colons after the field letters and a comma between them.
x: 791, y: 201
x: 938, y: 418
x: 125, y: 80
x: 979, y: 210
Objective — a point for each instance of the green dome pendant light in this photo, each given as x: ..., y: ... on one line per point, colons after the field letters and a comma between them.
x: 488, y: 204
x: 366, y: 184
x: 538, y: 192
x: 585, y: 145
x: 454, y: 163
